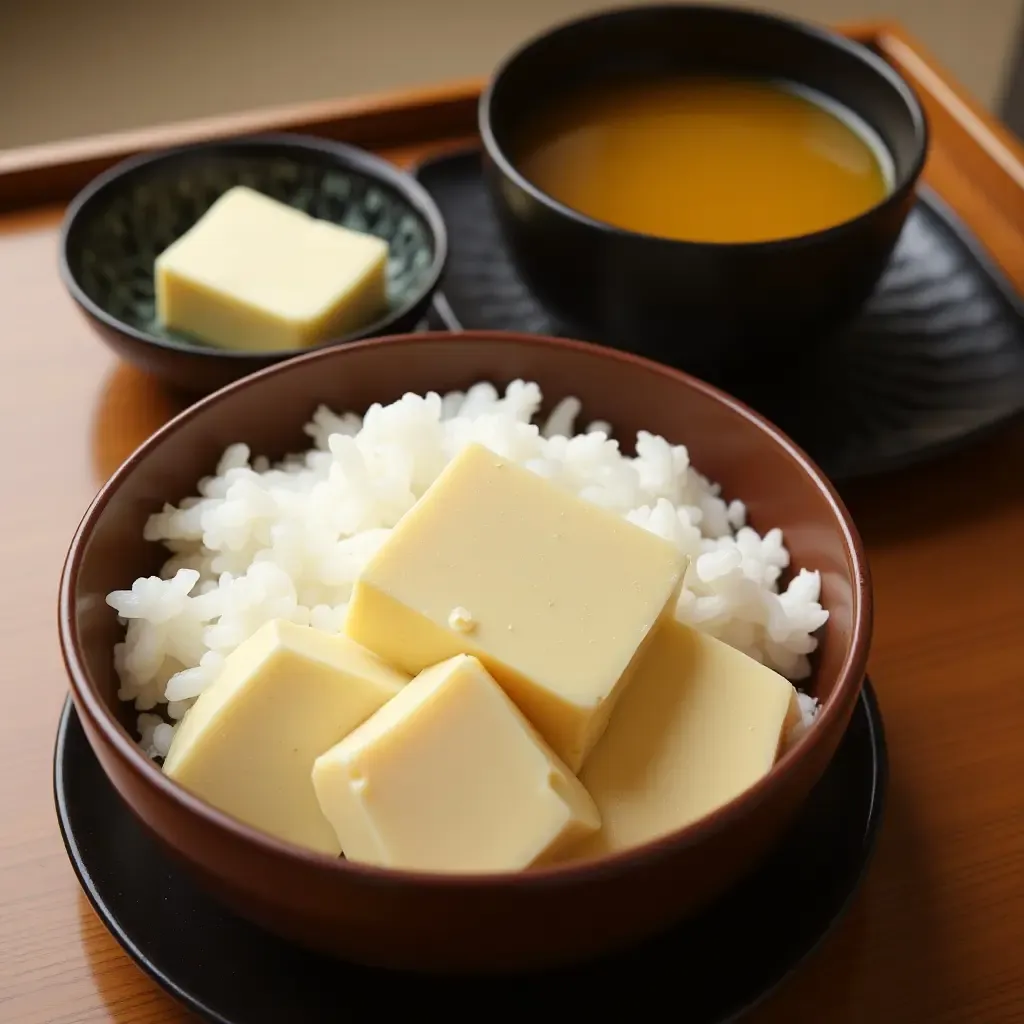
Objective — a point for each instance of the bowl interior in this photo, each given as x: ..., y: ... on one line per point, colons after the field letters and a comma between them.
x: 116, y: 235
x: 268, y: 412
x: 691, y: 39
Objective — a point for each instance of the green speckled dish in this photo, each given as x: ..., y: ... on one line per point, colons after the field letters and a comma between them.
x: 121, y: 222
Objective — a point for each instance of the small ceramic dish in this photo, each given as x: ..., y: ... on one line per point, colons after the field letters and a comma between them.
x: 488, y: 922
x: 117, y: 226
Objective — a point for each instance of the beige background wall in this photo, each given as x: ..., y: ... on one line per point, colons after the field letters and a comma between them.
x: 76, y: 67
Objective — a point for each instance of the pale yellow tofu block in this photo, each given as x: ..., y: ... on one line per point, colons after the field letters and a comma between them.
x: 257, y: 275
x: 448, y: 776
x: 555, y: 596
x: 700, y: 723
x: 284, y: 696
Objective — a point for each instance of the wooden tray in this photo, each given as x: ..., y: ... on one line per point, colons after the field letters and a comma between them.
x: 936, y: 935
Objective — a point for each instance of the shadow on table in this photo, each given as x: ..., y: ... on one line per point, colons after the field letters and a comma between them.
x: 884, y: 963
x: 975, y: 483
x: 131, y: 406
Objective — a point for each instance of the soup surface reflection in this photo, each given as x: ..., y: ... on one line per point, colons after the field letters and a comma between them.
x: 706, y: 159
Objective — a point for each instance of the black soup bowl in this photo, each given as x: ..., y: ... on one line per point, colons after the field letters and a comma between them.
x: 712, y: 309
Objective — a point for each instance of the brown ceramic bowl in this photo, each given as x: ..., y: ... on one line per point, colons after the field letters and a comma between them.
x: 437, y: 922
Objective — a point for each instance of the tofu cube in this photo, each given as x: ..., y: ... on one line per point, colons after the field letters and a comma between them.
x: 449, y: 776
x: 257, y: 275
x: 283, y: 697
x: 700, y: 723
x: 555, y: 596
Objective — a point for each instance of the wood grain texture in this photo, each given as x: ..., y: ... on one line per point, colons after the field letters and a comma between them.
x: 936, y: 935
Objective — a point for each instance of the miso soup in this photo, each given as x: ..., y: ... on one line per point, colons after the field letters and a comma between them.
x: 706, y: 159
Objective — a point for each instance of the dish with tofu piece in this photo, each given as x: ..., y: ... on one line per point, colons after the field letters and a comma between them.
x: 207, y: 262
x: 452, y: 639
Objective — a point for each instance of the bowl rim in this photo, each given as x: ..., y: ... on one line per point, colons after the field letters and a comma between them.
x: 345, y: 156
x: 125, y: 747
x: 902, y: 187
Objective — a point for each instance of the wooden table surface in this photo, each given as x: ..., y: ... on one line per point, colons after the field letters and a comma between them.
x: 936, y: 936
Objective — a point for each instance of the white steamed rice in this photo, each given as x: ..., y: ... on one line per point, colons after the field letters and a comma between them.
x: 261, y: 542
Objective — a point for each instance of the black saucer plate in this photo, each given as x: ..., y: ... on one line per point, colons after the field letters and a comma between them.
x: 935, y: 360
x: 233, y: 973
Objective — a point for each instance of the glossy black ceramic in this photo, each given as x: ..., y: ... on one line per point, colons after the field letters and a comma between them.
x: 231, y: 972
x: 707, y: 308
x: 933, y: 361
